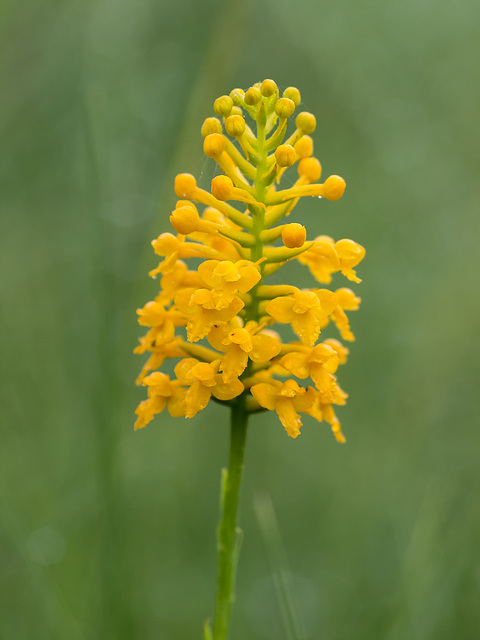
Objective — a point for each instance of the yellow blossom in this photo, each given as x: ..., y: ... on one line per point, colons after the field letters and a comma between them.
x: 201, y: 313
x: 345, y: 300
x: 158, y: 353
x: 227, y: 278
x: 240, y: 344
x: 286, y: 399
x: 203, y: 380
x: 162, y: 393
x: 304, y: 310
x: 215, y: 271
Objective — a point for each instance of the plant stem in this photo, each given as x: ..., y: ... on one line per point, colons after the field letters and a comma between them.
x: 228, y: 537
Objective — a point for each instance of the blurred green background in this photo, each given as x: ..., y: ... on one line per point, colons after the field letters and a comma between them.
x: 106, y: 533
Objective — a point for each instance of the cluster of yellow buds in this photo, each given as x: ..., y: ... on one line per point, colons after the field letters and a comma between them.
x: 225, y: 302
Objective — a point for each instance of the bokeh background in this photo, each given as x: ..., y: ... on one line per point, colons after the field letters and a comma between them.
x: 106, y: 533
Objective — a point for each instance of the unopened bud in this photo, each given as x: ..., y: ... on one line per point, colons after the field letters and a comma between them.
x: 222, y: 188
x: 334, y: 186
x: 214, y: 145
x: 310, y: 168
x: 284, y: 108
x: 223, y: 105
x: 185, y: 219
x: 235, y: 126
x: 268, y: 88
x: 211, y: 125
x: 185, y: 185
x: 293, y: 94
x: 237, y: 96
x: 294, y: 235
x: 253, y: 96
x: 306, y: 122
x: 285, y: 155
x: 304, y: 147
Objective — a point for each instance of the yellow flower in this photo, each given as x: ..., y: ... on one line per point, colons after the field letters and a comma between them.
x: 304, y: 310
x: 154, y: 314
x: 240, y: 344
x: 350, y: 254
x: 162, y: 393
x: 201, y: 313
x: 174, y: 248
x: 227, y: 278
x: 319, y: 363
x: 159, y: 352
x: 345, y: 300
x: 216, y: 307
x: 321, y: 258
x: 286, y: 399
x: 203, y: 381
x: 178, y: 278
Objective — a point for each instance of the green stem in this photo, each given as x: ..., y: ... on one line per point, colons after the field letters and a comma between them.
x: 228, y: 536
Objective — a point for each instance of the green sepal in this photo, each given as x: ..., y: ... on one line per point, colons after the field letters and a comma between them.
x: 262, y: 115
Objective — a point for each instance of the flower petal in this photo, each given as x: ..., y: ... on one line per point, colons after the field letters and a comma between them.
x: 176, y: 405
x: 288, y: 416
x: 233, y: 363
x: 307, y: 327
x: 264, y: 348
x: 281, y: 309
x: 296, y: 363
x: 196, y: 398
x: 224, y: 391
x: 265, y: 394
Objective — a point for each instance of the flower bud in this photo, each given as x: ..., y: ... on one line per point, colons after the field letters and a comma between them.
x: 252, y: 96
x: 211, y: 125
x: 310, y: 168
x: 304, y: 147
x: 223, y: 105
x: 294, y: 235
x: 235, y: 126
x: 268, y: 88
x: 236, y: 111
x: 185, y: 185
x: 293, y: 94
x: 222, y: 188
x: 237, y: 96
x: 306, y: 122
x: 185, y: 219
x: 334, y: 186
x: 214, y: 145
x: 285, y: 155
x: 284, y: 108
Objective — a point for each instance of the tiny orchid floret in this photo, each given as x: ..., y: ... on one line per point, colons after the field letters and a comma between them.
x: 214, y: 319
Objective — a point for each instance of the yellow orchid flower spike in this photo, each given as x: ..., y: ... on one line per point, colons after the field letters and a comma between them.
x: 216, y: 312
